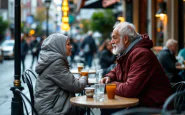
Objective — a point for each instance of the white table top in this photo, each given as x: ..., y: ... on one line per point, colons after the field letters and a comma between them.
x: 75, y: 71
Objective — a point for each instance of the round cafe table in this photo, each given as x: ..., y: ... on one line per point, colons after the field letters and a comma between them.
x: 118, y: 102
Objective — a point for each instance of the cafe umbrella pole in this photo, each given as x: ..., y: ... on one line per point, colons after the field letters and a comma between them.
x: 16, y: 104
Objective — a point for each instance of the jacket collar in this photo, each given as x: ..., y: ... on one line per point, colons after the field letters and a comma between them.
x: 129, y: 48
x: 165, y: 48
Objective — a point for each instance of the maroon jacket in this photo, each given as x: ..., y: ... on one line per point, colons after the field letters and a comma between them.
x: 139, y: 74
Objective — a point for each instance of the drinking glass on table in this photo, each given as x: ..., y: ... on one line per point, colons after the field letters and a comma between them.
x: 80, y: 67
x: 89, y: 92
x: 110, y: 90
x: 84, y: 72
x: 99, y: 92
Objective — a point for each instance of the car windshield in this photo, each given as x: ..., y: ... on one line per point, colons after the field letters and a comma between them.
x: 7, y: 44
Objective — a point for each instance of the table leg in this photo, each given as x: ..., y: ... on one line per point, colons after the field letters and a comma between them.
x: 77, y: 110
x: 88, y: 111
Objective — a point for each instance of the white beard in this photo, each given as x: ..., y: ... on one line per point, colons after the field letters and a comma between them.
x: 117, y: 49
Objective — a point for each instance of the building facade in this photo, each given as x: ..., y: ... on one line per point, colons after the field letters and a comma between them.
x: 160, y: 19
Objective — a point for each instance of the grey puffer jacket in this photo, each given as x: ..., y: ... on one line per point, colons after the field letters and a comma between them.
x: 55, y: 84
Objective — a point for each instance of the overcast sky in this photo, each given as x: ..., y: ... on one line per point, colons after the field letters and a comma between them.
x: 57, y: 1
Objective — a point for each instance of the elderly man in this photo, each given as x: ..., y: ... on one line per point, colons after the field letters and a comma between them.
x: 168, y: 61
x: 138, y: 72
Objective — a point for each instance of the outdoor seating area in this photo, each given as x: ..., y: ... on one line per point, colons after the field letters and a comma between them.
x: 129, y: 105
x: 92, y: 57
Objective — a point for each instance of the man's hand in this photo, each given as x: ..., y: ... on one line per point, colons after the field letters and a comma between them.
x: 105, y: 80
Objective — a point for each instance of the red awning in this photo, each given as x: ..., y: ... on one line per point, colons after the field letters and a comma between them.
x: 107, y: 3
x: 95, y: 4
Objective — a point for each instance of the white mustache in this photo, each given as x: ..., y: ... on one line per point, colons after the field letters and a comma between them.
x: 114, y: 45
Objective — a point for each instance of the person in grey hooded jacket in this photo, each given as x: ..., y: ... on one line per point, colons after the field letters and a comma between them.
x: 56, y: 84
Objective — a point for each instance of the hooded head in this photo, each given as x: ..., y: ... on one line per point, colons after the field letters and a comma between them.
x: 53, y: 48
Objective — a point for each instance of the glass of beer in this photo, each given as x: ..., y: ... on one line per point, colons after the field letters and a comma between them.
x: 80, y: 67
x: 110, y: 89
x: 84, y: 72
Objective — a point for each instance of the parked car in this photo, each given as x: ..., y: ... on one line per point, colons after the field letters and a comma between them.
x: 7, y: 47
x: 1, y: 56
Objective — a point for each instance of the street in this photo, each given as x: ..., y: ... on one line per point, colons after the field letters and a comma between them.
x: 6, y: 81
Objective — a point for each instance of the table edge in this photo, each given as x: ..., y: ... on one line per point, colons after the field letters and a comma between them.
x: 105, y: 106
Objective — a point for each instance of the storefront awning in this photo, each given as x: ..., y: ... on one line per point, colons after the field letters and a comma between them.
x: 87, y: 4
x: 107, y: 3
x: 94, y: 4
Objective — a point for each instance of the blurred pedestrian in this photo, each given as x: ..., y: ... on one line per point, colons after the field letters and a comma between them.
x: 103, y: 45
x: 74, y: 49
x: 106, y: 56
x: 89, y: 48
x: 24, y: 50
x: 55, y: 84
x: 168, y: 61
x: 35, y: 49
x: 138, y: 73
x: 42, y: 39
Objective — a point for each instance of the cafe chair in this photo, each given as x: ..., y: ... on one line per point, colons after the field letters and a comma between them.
x: 179, y: 102
x: 138, y: 111
x: 26, y: 77
x: 180, y: 86
x: 177, y: 87
x: 22, y: 97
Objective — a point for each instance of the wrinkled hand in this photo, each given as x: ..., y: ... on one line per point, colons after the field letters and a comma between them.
x: 105, y: 80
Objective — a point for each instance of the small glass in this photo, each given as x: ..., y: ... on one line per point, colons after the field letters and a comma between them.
x: 110, y: 90
x: 99, y: 92
x: 80, y: 67
x: 84, y: 72
x: 89, y: 92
